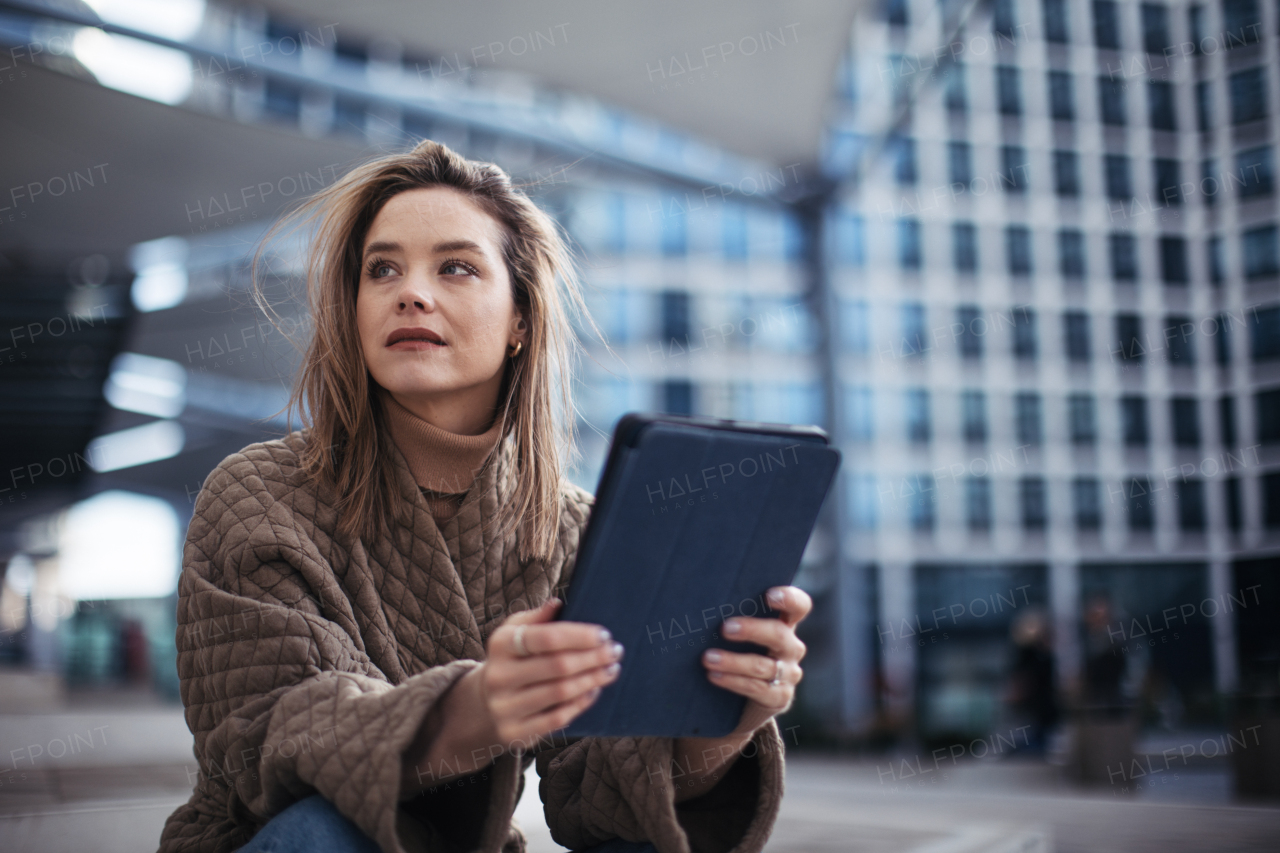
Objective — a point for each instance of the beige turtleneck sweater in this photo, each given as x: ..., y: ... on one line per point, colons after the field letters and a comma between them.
x: 444, y: 464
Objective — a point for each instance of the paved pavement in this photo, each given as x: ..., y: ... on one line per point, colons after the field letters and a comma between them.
x: 105, y: 779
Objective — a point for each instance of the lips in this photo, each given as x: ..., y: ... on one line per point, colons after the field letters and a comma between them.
x: 415, y: 334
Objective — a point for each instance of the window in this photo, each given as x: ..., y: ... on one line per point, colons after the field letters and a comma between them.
x: 860, y: 413
x: 914, y: 336
x: 1271, y: 501
x: 1124, y: 256
x: 1003, y: 18
x: 1129, y: 337
x: 675, y: 235
x: 1222, y: 342
x: 1160, y: 105
x: 1255, y: 171
x: 895, y: 12
x: 904, y: 159
x: 617, y: 222
x: 1264, y: 334
x: 1024, y: 333
x: 1142, y: 514
x: 1111, y: 101
x: 1216, y: 267
x: 909, y: 244
x: 1133, y: 420
x: 1179, y: 340
x: 977, y: 502
x: 677, y: 396
x: 1235, y: 515
x: 1061, y: 97
x: 1027, y: 420
x: 1106, y: 25
x: 919, y: 491
x: 733, y: 234
x: 1227, y: 420
x: 1260, y: 260
x: 960, y: 162
x: 1168, y: 176
x: 972, y: 328
x: 1197, y: 25
x: 964, y: 246
x: 1013, y: 159
x: 1071, y: 253
x: 1066, y: 173
x: 953, y: 89
x: 864, y: 501
x: 1155, y: 27
x: 916, y: 401
x: 1242, y: 22
x: 1266, y: 411
x: 1008, y: 90
x: 1173, y: 260
x: 1075, y: 335
x: 1184, y: 412
x: 1034, y: 511
x: 1088, y: 508
x: 1204, y: 105
x: 973, y: 416
x: 675, y: 316
x: 1116, y: 171
x: 1017, y: 243
x: 1190, y: 494
x: 282, y: 99
x: 854, y: 330
x: 1248, y: 95
x: 1056, y: 26
x: 1209, y: 181
x: 851, y: 239
x: 1082, y: 419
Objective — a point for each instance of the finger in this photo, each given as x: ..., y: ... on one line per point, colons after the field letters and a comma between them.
x: 547, y: 667
x: 564, y: 636
x: 774, y: 698
x: 751, y: 666
x: 560, y: 716
x: 792, y: 602
x: 538, y: 698
x: 773, y: 634
x: 544, y: 613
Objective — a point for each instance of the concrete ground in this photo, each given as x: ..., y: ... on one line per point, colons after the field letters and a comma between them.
x: 104, y: 778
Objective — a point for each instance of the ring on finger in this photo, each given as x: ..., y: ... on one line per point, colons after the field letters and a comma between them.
x: 517, y: 642
x: 777, y: 674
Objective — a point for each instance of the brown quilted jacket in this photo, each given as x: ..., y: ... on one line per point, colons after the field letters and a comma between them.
x: 308, y: 662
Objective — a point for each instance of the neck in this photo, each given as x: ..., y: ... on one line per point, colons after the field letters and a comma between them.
x: 469, y: 411
x: 441, y: 460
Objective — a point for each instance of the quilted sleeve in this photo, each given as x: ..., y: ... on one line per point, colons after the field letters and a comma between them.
x: 279, y: 691
x: 597, y: 789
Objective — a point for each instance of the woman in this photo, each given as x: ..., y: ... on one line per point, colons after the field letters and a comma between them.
x: 365, y: 640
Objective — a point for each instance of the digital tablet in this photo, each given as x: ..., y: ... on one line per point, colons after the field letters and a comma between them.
x: 695, y: 519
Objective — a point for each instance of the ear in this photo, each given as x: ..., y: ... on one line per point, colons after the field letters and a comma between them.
x: 520, y: 326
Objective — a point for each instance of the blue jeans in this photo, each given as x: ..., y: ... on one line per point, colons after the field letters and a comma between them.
x: 314, y: 825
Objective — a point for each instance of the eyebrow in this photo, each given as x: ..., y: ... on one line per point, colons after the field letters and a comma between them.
x: 450, y: 246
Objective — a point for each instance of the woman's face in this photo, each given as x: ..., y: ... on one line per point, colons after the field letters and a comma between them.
x: 434, y: 307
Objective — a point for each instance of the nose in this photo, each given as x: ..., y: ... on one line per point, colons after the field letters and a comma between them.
x: 415, y: 294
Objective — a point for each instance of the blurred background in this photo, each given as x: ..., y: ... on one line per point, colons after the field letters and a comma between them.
x: 1018, y: 257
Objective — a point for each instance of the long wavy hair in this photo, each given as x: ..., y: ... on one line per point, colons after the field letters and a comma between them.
x: 334, y: 393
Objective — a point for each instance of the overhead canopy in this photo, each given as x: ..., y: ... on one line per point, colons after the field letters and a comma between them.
x: 755, y: 77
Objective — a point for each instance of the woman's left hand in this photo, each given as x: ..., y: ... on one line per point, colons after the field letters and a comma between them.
x: 753, y: 675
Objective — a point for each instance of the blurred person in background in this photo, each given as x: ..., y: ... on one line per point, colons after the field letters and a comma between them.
x: 1104, y: 664
x: 1032, y: 693
x: 365, y: 638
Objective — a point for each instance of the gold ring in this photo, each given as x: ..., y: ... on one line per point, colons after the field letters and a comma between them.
x: 777, y: 674
x: 517, y: 642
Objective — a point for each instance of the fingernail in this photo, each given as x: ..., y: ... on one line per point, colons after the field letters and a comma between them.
x: 617, y: 651
x: 732, y: 627
x: 593, y: 692
x: 612, y: 669
x: 605, y: 636
x: 714, y: 656
x: 776, y: 596
x: 717, y: 674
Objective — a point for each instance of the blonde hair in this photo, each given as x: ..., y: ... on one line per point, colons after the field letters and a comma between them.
x: 335, y: 394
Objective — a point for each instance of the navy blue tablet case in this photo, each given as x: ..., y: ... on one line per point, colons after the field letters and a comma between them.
x: 694, y: 520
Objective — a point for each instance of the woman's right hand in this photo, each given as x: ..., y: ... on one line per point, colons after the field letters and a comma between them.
x: 566, y: 665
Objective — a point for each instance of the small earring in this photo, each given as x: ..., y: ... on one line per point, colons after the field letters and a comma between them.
x: 515, y: 352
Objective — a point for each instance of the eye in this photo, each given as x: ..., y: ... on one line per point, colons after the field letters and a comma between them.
x: 453, y: 266
x: 378, y: 268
